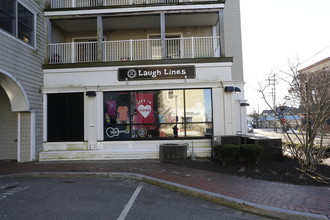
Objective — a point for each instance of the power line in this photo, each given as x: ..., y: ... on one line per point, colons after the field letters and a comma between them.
x: 316, y: 54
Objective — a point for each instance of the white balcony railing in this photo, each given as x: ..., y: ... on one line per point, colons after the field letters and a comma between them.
x: 94, y: 3
x: 76, y: 52
x: 146, y: 49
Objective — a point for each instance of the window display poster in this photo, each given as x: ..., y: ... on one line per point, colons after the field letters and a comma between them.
x: 123, y: 113
x: 144, y: 108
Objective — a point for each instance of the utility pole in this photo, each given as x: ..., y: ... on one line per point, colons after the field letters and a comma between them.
x: 307, y: 115
x: 272, y: 81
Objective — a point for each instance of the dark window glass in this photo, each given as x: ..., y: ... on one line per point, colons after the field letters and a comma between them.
x: 7, y: 15
x: 158, y: 114
x: 65, y: 117
x: 20, y: 25
x: 25, y: 24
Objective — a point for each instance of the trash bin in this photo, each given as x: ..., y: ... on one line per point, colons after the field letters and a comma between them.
x: 173, y: 152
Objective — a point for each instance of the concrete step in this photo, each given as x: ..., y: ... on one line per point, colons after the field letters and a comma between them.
x: 98, y: 155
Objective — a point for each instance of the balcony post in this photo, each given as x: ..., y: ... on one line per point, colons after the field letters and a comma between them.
x: 99, y: 55
x: 130, y: 49
x: 73, y: 52
x: 48, y: 36
x: 221, y: 34
x: 192, y: 48
x: 162, y: 35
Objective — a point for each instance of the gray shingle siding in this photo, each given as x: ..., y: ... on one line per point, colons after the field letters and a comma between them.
x: 25, y: 65
x: 8, y: 128
x: 233, y: 39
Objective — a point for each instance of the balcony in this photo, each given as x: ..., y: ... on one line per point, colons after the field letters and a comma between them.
x: 132, y: 50
x: 57, y: 4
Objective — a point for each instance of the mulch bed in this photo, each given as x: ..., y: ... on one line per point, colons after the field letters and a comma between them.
x: 285, y: 171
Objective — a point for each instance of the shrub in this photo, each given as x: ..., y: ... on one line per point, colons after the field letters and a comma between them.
x: 327, y: 153
x: 226, y: 151
x: 250, y: 153
x: 325, y: 149
x: 296, y: 150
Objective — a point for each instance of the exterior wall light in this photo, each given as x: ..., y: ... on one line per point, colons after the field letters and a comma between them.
x: 229, y: 89
x: 237, y: 90
x: 91, y: 93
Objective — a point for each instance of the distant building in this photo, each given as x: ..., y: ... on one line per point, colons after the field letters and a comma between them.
x: 320, y: 62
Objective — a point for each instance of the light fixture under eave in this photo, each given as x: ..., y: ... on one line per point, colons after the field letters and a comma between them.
x: 245, y: 104
x: 237, y: 90
x: 229, y: 88
x: 90, y: 93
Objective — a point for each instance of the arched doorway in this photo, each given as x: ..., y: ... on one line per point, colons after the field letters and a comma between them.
x: 17, y: 121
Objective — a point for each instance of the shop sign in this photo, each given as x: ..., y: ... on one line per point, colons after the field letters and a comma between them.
x: 156, y: 73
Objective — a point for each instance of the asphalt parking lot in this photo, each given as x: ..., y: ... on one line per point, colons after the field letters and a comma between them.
x: 81, y: 198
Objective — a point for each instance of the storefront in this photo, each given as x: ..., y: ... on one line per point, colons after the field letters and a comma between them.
x: 157, y: 114
x: 127, y: 112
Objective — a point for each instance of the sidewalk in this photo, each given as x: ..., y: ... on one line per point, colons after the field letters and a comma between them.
x: 272, y: 199
x: 269, y: 132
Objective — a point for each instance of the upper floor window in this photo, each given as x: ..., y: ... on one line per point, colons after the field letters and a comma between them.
x: 17, y: 20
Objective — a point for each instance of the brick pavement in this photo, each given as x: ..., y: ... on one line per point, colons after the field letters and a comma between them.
x: 306, y: 199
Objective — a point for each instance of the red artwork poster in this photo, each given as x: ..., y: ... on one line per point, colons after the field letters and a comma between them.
x: 144, y: 109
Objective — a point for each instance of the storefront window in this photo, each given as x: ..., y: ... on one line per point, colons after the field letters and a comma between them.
x: 157, y: 114
x: 198, y: 105
x: 117, y: 115
x: 65, y: 117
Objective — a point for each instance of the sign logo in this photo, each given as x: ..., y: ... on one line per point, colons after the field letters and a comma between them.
x: 131, y: 73
x: 114, y: 132
x: 142, y: 132
x: 144, y: 110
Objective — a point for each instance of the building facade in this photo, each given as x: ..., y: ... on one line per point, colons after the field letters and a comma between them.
x: 22, y: 53
x: 318, y: 64
x: 93, y: 79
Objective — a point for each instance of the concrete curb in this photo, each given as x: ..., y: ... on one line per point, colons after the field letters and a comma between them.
x: 228, y: 201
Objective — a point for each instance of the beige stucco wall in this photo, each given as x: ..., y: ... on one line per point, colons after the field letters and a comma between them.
x: 321, y: 65
x: 139, y: 33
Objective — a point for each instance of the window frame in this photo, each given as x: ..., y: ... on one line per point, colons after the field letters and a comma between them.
x: 185, y: 124
x: 14, y: 36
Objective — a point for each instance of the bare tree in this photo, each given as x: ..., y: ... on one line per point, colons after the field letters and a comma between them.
x: 311, y: 91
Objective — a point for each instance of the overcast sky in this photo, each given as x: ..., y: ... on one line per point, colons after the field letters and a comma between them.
x: 274, y: 31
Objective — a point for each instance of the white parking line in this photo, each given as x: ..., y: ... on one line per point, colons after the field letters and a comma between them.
x: 6, y: 185
x: 11, y: 191
x: 130, y: 203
